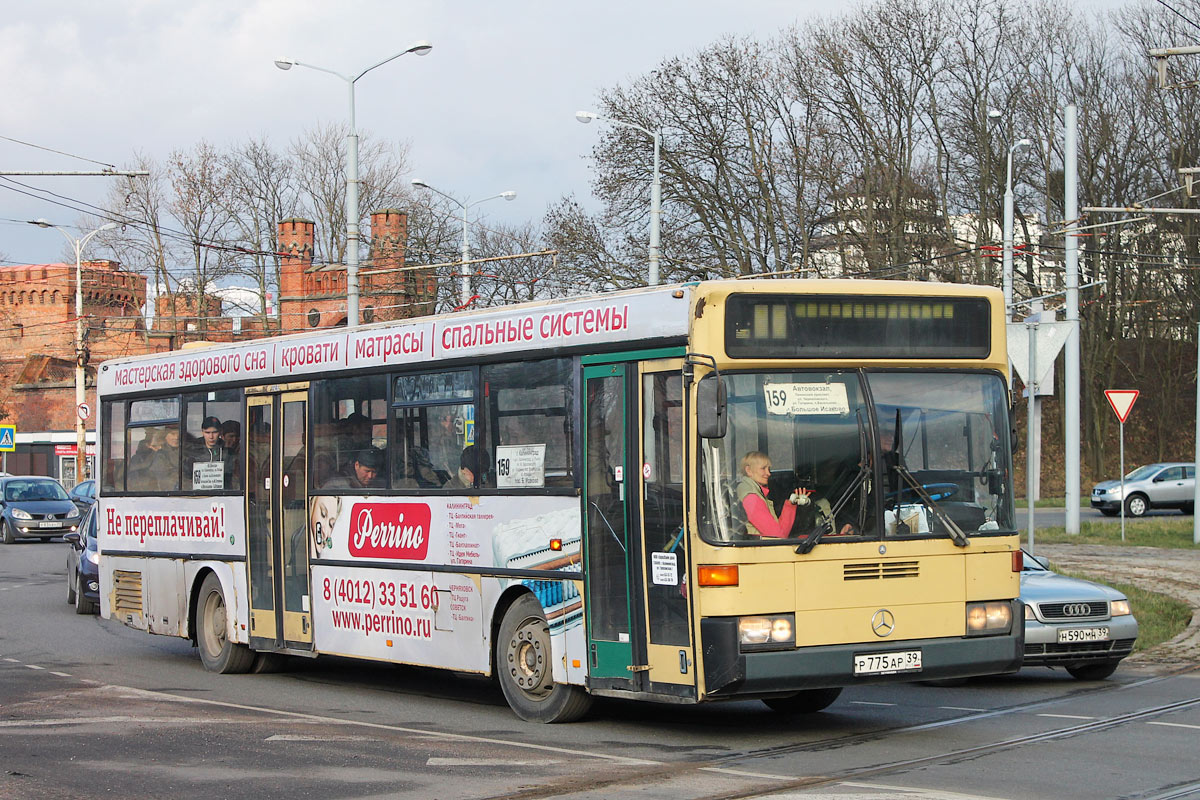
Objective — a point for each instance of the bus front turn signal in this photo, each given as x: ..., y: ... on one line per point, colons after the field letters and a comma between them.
x: 718, y: 575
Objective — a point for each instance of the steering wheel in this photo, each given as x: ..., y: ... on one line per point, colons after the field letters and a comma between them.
x: 936, y: 491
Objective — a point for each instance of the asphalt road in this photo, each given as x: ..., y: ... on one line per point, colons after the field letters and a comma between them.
x: 89, y: 708
x: 1057, y: 517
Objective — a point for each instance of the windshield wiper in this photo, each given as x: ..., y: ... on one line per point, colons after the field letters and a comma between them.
x: 864, y: 473
x: 956, y: 533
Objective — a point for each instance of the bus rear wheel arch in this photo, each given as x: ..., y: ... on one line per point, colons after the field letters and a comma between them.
x: 525, y: 668
x: 218, y: 651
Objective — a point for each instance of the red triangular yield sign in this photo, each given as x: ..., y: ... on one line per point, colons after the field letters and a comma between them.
x: 1122, y: 401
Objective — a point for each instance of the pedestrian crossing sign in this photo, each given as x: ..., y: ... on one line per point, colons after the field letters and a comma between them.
x: 8, y: 438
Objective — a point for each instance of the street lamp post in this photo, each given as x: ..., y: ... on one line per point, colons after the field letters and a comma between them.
x: 80, y: 426
x: 655, y: 187
x: 420, y: 48
x: 1008, y: 229
x: 465, y: 284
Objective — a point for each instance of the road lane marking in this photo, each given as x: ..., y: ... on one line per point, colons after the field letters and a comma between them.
x: 44, y: 723
x: 869, y: 703
x: 61, y: 674
x: 925, y: 794
x: 487, y: 762
x: 458, y: 737
x: 1175, y: 725
x: 34, y: 666
x: 297, y: 737
x: 1065, y: 716
x: 960, y: 708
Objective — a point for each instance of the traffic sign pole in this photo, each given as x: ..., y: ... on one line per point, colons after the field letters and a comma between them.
x: 1122, y: 480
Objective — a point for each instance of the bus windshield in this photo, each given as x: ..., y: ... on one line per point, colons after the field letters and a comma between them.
x: 857, y: 454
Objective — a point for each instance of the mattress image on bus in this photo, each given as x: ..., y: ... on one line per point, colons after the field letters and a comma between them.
x: 525, y: 544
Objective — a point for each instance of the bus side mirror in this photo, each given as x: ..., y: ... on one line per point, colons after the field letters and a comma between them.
x: 710, y: 407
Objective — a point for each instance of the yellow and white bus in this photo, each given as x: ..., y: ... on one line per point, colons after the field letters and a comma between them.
x: 563, y: 494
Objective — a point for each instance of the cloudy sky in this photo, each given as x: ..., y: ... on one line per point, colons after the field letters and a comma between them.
x: 490, y: 109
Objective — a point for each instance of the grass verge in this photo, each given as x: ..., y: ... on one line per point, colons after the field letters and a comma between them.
x: 1159, y: 616
x: 1173, y: 532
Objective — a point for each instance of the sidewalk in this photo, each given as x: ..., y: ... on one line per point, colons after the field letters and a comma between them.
x: 1175, y: 573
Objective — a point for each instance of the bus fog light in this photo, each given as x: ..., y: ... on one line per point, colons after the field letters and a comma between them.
x: 767, y: 632
x: 988, y: 618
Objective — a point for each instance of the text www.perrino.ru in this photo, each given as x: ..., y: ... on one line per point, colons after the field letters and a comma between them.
x: 386, y: 624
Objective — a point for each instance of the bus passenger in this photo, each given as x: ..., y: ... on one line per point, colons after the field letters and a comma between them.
x: 210, y: 447
x: 470, y: 466
x: 363, y: 473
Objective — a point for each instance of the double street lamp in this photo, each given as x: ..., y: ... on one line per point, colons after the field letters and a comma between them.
x: 420, y: 48
x: 655, y: 186
x: 1008, y: 229
x: 465, y: 286
x: 80, y: 430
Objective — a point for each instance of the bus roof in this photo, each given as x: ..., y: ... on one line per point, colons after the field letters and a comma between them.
x: 591, y: 323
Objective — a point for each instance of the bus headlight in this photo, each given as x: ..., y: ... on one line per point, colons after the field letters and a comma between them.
x: 984, y: 619
x: 767, y: 632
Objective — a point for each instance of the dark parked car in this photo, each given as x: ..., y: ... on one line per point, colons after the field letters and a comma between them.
x: 35, y: 507
x: 1152, y: 486
x: 84, y: 494
x: 1083, y: 626
x: 83, y: 566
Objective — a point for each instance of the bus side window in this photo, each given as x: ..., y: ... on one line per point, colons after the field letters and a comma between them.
x: 532, y: 403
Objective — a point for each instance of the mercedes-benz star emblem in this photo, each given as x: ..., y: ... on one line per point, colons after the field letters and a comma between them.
x: 883, y: 623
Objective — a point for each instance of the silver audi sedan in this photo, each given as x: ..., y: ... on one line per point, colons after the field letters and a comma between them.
x: 1080, y: 625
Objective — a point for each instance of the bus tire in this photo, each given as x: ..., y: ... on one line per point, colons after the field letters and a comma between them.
x: 218, y: 653
x: 809, y: 701
x: 524, y: 667
x: 269, y: 662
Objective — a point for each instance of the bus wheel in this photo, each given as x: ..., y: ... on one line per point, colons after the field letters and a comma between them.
x: 525, y: 669
x: 217, y: 652
x: 808, y: 701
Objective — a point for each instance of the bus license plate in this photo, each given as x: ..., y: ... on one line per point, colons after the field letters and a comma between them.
x: 887, y: 663
x: 1068, y: 635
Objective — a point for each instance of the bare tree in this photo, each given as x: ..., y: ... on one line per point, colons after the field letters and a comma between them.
x: 263, y: 191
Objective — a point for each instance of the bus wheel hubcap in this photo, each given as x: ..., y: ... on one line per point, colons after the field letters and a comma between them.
x: 529, y: 656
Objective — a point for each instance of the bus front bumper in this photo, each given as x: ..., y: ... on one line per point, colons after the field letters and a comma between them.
x: 730, y: 673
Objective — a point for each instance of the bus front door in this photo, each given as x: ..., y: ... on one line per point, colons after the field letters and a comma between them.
x: 276, y: 520
x: 639, y: 630
x: 607, y: 551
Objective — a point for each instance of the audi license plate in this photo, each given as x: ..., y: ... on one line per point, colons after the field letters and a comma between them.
x: 1068, y: 635
x: 887, y: 663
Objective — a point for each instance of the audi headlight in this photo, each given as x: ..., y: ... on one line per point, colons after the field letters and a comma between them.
x: 986, y: 619
x: 1119, y: 608
x: 1029, y: 612
x: 767, y: 632
x: 20, y: 513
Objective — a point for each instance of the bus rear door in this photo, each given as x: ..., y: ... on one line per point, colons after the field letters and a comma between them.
x: 276, y: 518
